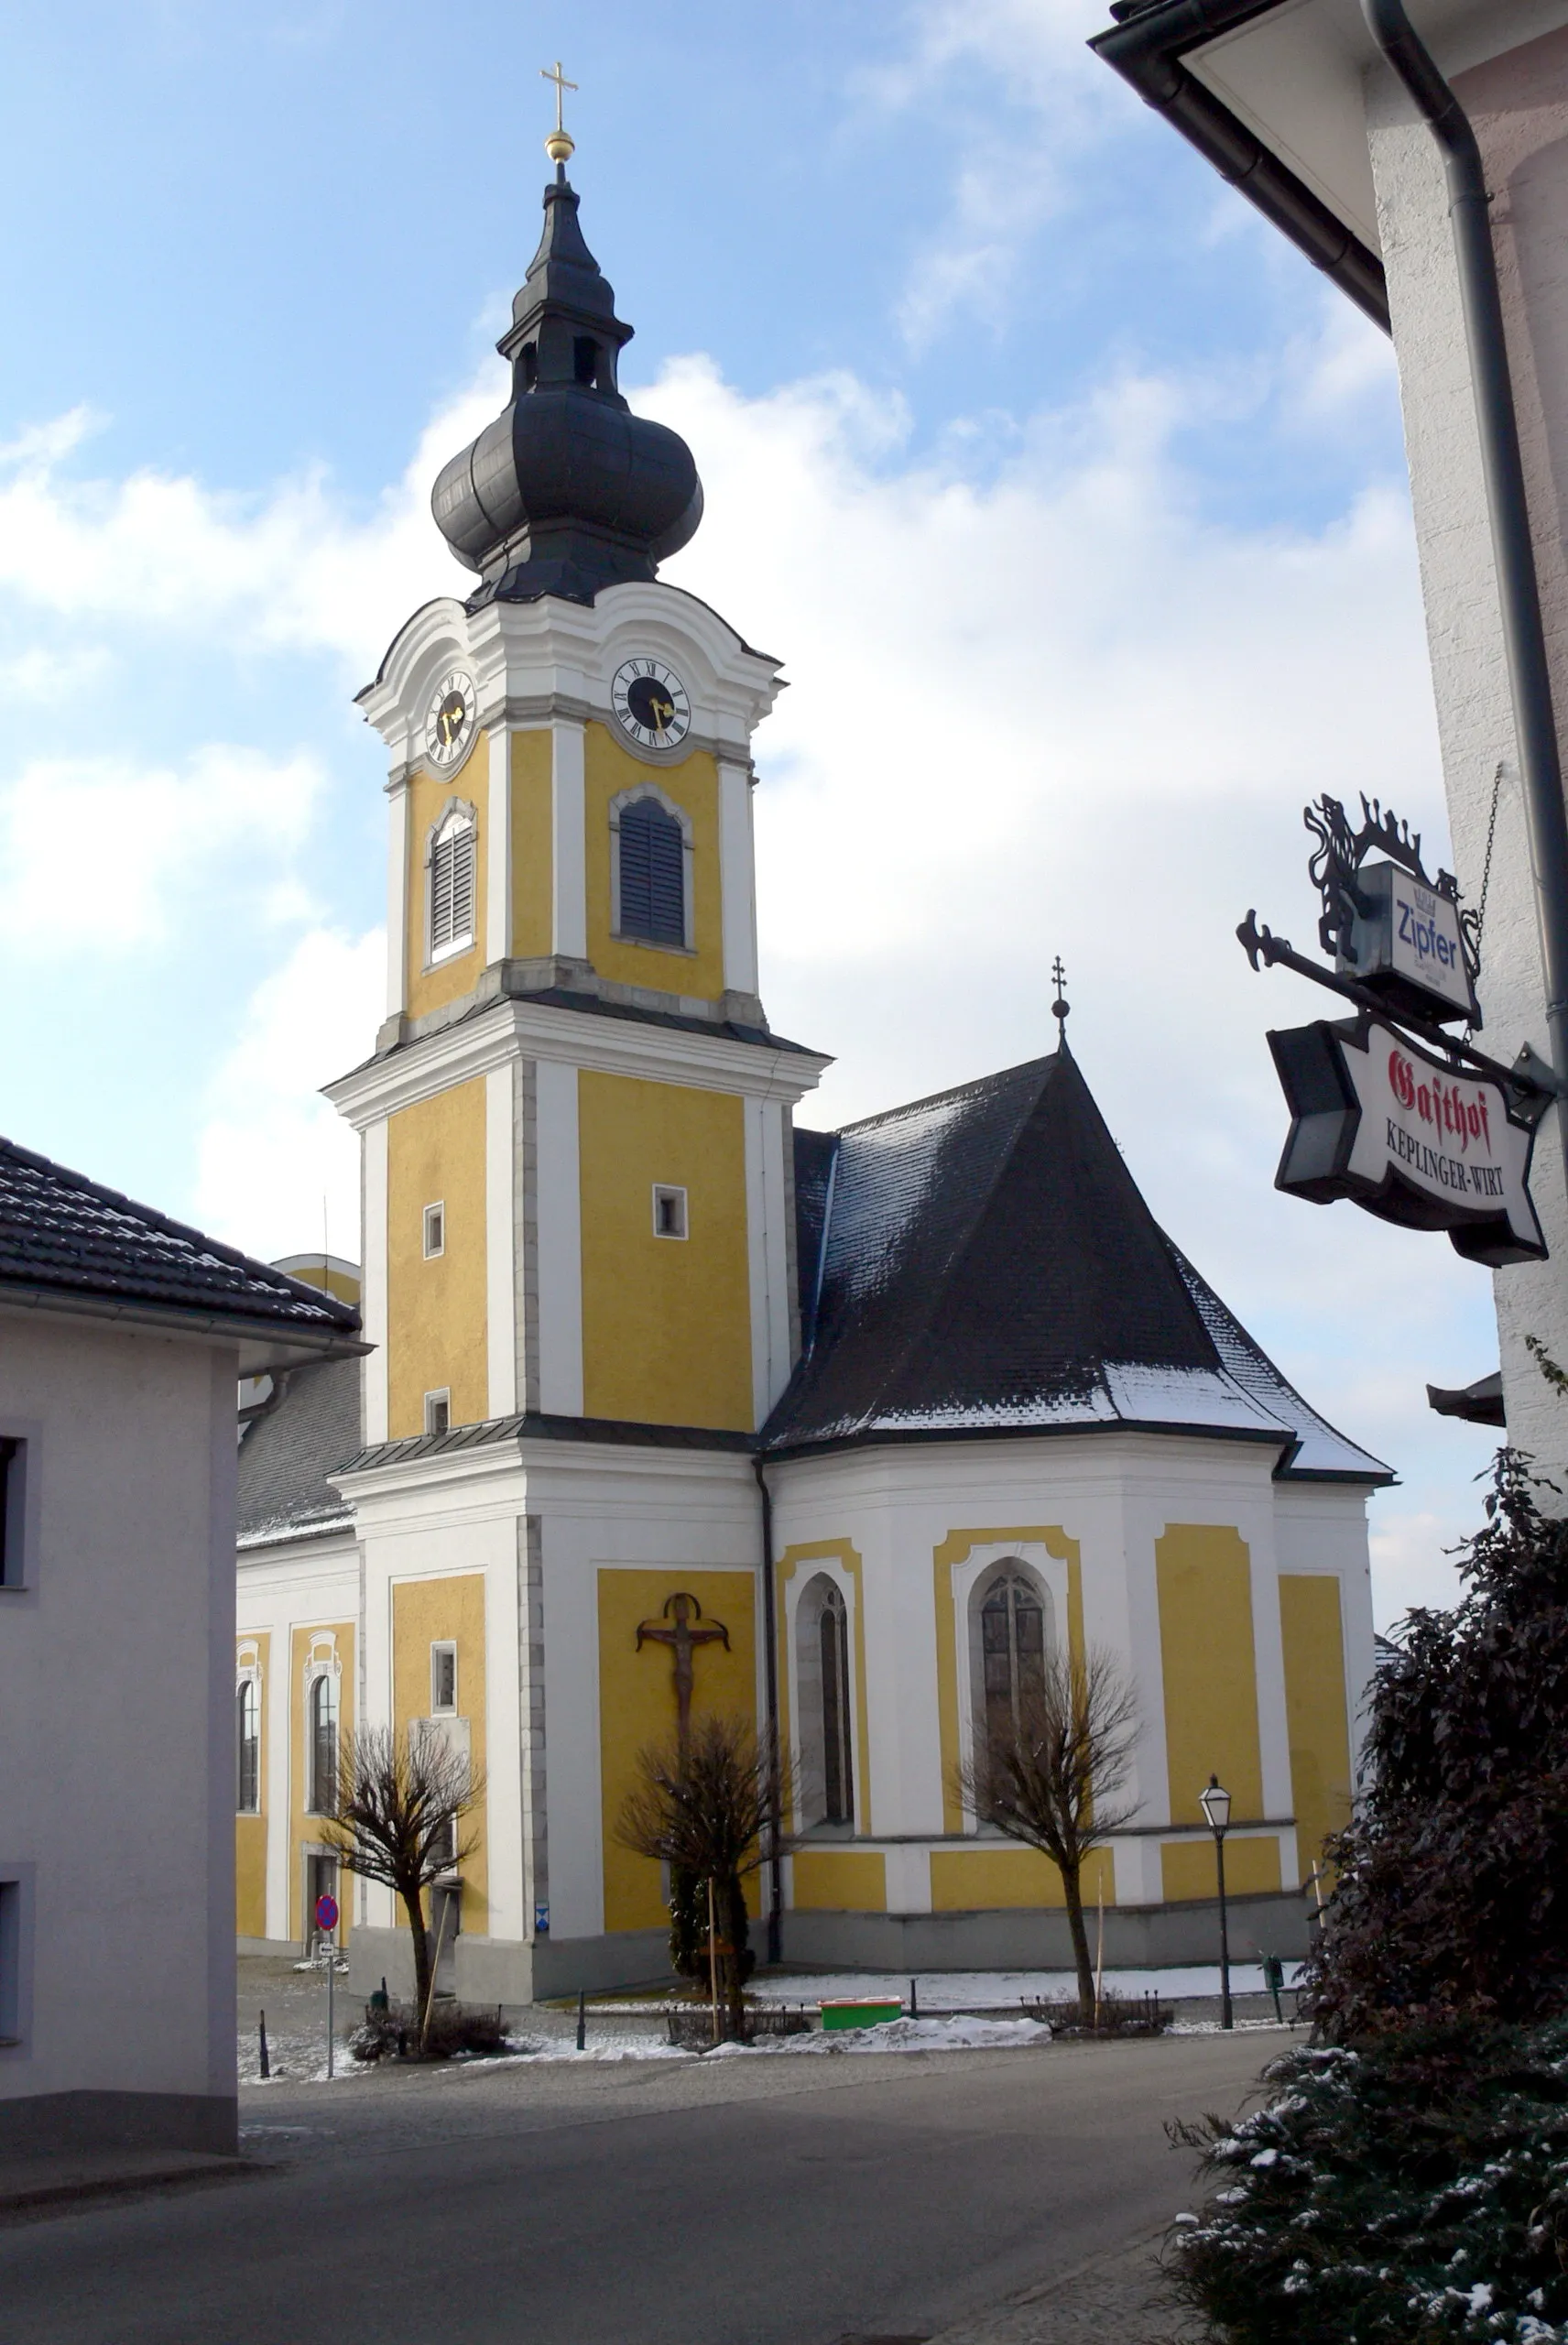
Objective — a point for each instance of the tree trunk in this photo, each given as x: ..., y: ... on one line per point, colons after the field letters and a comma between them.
x: 1072, y: 1891
x: 414, y: 1907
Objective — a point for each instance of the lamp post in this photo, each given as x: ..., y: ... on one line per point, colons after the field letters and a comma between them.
x: 1215, y: 1804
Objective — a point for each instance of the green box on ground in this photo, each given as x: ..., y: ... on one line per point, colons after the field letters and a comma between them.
x: 869, y: 2013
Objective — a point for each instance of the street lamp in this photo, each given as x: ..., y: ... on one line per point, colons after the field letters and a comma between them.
x: 1215, y: 1804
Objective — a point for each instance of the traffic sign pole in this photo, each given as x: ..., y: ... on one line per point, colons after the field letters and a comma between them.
x: 327, y: 1922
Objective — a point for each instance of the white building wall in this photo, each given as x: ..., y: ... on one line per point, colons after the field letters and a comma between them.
x: 1519, y: 106
x: 116, y: 1728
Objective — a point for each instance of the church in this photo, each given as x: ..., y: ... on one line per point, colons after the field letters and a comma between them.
x: 674, y: 1400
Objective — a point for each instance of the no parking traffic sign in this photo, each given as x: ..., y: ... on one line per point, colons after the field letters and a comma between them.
x: 326, y: 1911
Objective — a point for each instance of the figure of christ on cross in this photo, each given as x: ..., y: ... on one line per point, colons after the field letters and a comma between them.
x: 675, y: 1628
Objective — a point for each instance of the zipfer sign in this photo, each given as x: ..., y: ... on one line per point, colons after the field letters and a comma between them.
x: 1409, y: 1122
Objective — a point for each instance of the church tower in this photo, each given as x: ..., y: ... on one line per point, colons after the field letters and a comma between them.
x: 576, y: 1124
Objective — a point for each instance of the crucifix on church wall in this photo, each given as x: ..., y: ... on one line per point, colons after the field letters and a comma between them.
x: 677, y: 1627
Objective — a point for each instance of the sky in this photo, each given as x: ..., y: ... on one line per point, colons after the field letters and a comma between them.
x: 1071, y: 496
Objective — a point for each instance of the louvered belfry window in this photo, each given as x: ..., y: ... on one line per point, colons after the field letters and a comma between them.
x: 653, y: 873
x: 452, y: 885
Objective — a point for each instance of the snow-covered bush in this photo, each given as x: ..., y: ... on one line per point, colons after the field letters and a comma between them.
x: 1410, y: 2189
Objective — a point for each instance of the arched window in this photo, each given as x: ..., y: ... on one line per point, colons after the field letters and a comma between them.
x: 826, y: 1791
x: 1012, y: 1650
x: 322, y: 1727
x: 247, y: 1747
x: 452, y: 883
x: 651, y: 896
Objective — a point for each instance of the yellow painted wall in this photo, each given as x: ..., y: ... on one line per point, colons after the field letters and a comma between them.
x: 439, y: 1611
x: 666, y: 1322
x: 1315, y: 1712
x: 1252, y: 1867
x: 533, y: 844
x: 636, y: 1705
x: 250, y: 1831
x: 303, y: 1829
x: 436, y: 1311
x: 1209, y: 1667
x: 608, y: 769
x: 329, y: 1278
x: 954, y: 1549
x: 840, y: 1880
x: 428, y: 796
x: 798, y: 1560
x: 976, y: 1881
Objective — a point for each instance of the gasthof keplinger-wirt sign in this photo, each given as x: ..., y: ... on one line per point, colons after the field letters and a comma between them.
x: 1387, y: 1107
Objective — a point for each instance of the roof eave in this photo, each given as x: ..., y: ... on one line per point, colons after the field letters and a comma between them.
x: 879, y: 1436
x: 1149, y: 50
x: 264, y: 1345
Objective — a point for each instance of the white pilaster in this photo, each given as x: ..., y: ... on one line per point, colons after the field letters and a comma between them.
x: 569, y: 882
x: 498, y: 864
x: 738, y: 877
x: 373, y: 1297
x: 767, y: 1254
x: 559, y: 1239
x: 500, y: 1248
x: 397, y: 881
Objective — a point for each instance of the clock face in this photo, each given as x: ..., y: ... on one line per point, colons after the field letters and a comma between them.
x: 449, y: 720
x: 652, y: 704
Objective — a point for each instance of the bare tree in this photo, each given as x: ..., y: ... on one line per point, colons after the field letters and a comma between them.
x: 398, y: 1819
x: 1048, y: 1774
x: 704, y: 1803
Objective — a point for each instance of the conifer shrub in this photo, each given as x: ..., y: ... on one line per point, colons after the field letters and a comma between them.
x: 1407, y: 2190
x: 1451, y: 1899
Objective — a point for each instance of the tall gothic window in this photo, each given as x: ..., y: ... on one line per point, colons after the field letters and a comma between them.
x: 653, y: 873
x: 826, y: 1787
x: 323, y: 1743
x: 838, y: 1791
x: 1012, y: 1647
x: 247, y: 1746
x: 452, y: 883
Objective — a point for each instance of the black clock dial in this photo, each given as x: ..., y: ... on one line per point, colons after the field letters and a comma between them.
x: 651, y: 703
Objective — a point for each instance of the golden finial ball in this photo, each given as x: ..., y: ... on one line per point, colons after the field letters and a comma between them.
x: 560, y: 145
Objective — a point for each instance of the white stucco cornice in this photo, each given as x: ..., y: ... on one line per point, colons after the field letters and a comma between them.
x: 475, y: 1045
x: 534, y: 661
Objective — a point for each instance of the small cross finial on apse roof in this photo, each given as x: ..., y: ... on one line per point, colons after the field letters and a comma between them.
x: 1061, y: 1007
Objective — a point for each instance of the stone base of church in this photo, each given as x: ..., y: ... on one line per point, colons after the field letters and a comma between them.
x: 46, y: 2124
x: 1137, y: 1938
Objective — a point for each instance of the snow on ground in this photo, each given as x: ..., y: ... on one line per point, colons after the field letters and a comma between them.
x: 980, y: 1990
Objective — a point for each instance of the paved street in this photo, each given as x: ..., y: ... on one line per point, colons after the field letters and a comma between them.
x: 756, y: 2201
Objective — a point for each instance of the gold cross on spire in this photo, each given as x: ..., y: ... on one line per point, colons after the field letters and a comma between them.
x: 559, y: 144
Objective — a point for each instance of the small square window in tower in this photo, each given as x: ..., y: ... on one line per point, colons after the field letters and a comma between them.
x: 451, y: 884
x: 435, y: 1231
x: 668, y: 1212
x: 443, y: 1680
x: 438, y: 1412
x: 653, y: 874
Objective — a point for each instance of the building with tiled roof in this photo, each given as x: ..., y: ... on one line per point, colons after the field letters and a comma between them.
x: 122, y: 1334
x: 675, y: 1407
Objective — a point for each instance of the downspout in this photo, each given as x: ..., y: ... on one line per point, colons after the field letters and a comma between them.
x: 770, y: 1652
x: 1513, y: 551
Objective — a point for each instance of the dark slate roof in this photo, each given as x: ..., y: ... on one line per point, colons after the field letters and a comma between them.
x: 982, y: 1262
x: 286, y: 1457
x: 61, y: 1234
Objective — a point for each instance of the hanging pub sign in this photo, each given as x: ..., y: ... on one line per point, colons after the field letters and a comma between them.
x: 1408, y: 1137
x: 1409, y: 1122
x: 1389, y: 926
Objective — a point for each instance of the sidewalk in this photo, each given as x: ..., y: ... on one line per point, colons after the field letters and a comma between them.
x: 1119, y: 2295
x: 54, y: 2179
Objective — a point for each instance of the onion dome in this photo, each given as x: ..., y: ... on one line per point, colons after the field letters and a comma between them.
x: 567, y: 491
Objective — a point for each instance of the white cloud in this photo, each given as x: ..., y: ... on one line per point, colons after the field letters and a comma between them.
x: 94, y: 852
x: 272, y: 1150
